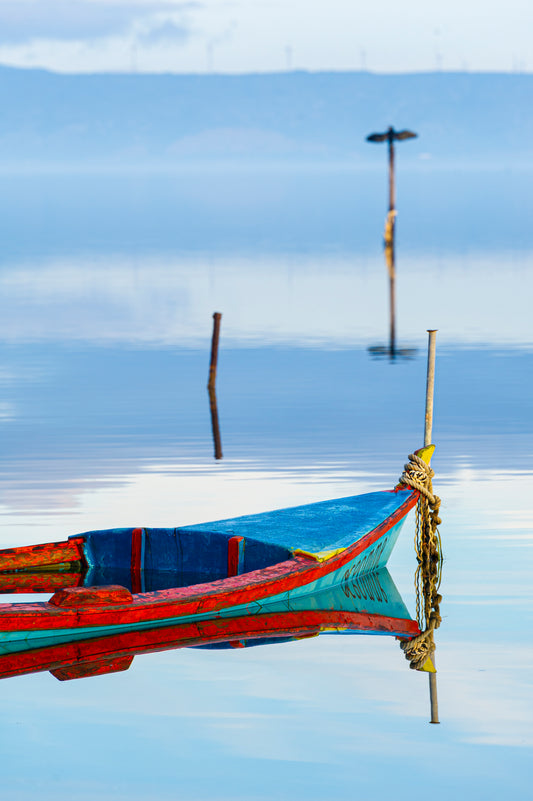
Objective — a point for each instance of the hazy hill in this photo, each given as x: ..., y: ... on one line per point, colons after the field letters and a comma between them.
x: 296, y: 115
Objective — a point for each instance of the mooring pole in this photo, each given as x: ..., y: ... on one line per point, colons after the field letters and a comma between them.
x: 392, y: 186
x: 214, y: 351
x: 211, y: 385
x: 430, y: 385
x: 391, y: 136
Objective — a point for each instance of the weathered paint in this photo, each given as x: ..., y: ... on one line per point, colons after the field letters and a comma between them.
x: 51, y: 554
x: 426, y: 453
x: 319, y: 529
x: 236, y: 547
x: 98, y: 668
x: 137, y: 558
x: 91, y: 596
x: 243, y: 594
x: 38, y: 582
x: 343, y: 608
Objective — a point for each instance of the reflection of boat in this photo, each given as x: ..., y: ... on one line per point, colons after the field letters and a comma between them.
x: 368, y: 604
x: 224, y: 569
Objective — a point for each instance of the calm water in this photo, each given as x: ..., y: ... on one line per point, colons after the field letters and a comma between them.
x: 108, y: 284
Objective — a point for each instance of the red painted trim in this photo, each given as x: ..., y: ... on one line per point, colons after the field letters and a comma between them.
x: 136, y: 556
x: 51, y: 553
x: 200, y: 598
x: 235, y: 555
x: 86, y: 669
x: 91, y: 596
x: 248, y: 627
x: 27, y: 582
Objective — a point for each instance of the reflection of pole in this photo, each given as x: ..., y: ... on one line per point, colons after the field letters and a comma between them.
x: 433, y: 696
x: 430, y: 385
x: 392, y: 284
x: 214, y: 350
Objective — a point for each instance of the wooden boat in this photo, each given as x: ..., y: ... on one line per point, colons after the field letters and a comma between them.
x: 368, y: 604
x: 129, y: 579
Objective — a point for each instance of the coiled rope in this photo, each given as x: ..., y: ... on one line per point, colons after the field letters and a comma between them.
x: 418, y: 475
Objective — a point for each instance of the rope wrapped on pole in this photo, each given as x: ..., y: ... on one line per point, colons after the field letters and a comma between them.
x: 418, y: 475
x: 419, y: 651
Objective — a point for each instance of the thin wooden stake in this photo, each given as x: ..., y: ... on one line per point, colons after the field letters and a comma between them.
x: 214, y: 351
x: 392, y: 186
x: 430, y: 386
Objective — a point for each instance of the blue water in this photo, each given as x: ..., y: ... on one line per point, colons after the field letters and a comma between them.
x: 107, y: 287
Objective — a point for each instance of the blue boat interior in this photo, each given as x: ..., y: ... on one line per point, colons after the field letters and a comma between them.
x: 178, y: 557
x: 171, y: 557
x: 314, y: 527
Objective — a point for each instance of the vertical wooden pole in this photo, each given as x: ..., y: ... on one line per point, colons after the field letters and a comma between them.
x: 430, y: 386
x: 392, y: 185
x: 392, y: 245
x: 214, y: 350
x: 211, y: 385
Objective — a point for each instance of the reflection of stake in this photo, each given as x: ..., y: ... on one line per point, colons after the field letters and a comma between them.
x: 391, y: 269
x: 217, y: 442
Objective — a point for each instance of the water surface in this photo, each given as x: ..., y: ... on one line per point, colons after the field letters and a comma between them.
x: 108, y: 284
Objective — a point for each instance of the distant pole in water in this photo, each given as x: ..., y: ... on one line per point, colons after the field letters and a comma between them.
x: 430, y: 386
x: 214, y: 350
x: 390, y: 259
x: 390, y: 136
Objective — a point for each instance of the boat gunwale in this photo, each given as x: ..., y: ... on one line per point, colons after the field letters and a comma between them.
x: 198, y: 598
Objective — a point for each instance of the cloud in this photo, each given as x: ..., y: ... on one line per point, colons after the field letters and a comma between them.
x: 26, y: 20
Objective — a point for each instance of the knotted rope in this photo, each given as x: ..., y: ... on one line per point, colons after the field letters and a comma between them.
x: 418, y: 475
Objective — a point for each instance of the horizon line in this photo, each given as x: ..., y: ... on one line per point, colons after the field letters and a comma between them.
x: 264, y: 73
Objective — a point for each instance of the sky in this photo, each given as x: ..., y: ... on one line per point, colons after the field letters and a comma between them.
x: 239, y: 36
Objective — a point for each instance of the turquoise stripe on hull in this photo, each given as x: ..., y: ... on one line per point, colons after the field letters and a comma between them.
x: 369, y: 561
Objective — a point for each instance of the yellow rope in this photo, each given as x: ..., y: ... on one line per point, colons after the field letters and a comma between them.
x: 388, y: 233
x: 428, y: 546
